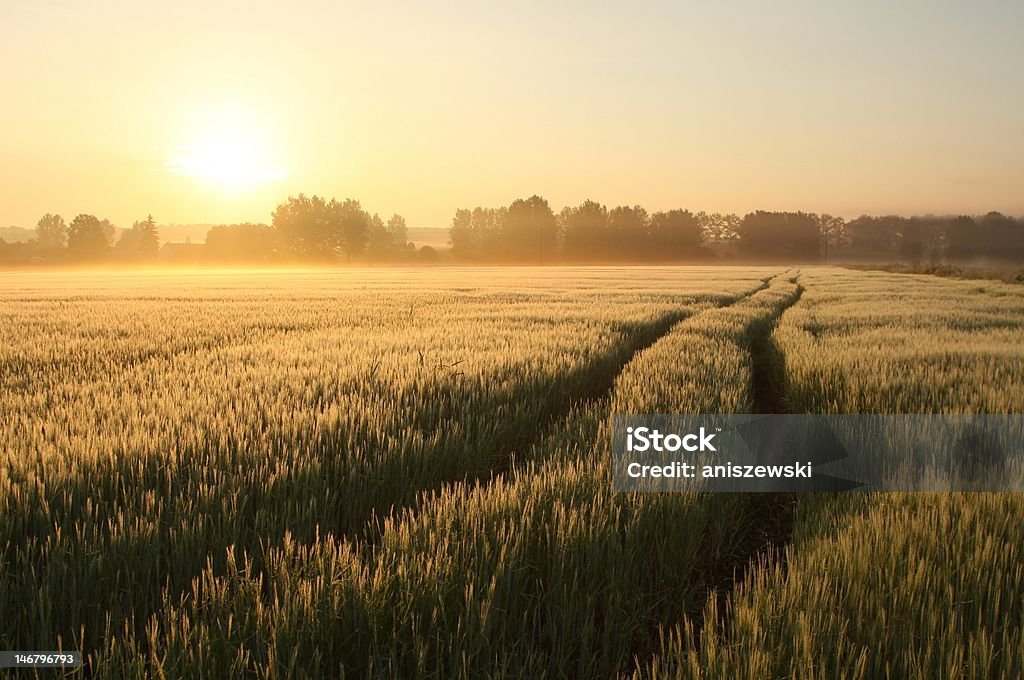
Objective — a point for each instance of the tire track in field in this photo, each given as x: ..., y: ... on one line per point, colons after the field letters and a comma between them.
x: 639, y: 338
x: 636, y: 338
x: 764, y: 521
x: 652, y: 600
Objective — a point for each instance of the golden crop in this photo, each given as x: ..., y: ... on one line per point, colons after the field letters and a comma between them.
x: 886, y: 585
x: 406, y: 472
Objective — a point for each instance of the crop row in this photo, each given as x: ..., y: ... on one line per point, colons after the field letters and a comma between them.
x: 137, y: 468
x: 542, y: 571
x: 886, y: 585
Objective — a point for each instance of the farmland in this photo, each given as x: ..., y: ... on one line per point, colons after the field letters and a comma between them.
x: 384, y: 472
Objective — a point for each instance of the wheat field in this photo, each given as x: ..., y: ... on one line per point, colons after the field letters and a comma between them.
x: 380, y: 473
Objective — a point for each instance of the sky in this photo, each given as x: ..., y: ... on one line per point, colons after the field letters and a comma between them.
x: 202, y: 112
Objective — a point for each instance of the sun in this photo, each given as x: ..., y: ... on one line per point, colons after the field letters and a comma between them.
x: 229, y: 150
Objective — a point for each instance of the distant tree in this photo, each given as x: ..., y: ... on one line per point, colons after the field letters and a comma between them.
x: 398, y: 233
x: 140, y: 243
x: 874, y: 237
x: 1003, y: 236
x: 963, y: 239
x: 675, y: 234
x: 388, y: 241
x: 89, y: 238
x: 427, y: 254
x: 628, y: 231
x: 833, y: 233
x: 149, y: 238
x: 378, y: 243
x: 304, y: 226
x: 251, y: 243
x: 316, y: 229
x: 584, y: 232
x: 476, y: 234
x: 930, y: 230
x: 127, y: 246
x: 351, y: 226
x: 719, y: 227
x: 721, y: 233
x: 51, y: 232
x: 463, y: 238
x: 530, y: 231
x: 731, y: 226
x: 489, y: 224
x: 912, y: 241
x: 109, y: 231
x: 709, y: 225
x: 790, y: 236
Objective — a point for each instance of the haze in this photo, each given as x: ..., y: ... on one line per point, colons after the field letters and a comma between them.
x: 209, y: 114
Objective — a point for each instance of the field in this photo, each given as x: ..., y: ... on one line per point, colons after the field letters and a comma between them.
x: 377, y: 473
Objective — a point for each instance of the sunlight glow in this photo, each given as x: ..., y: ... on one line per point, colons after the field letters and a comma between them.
x: 230, y: 151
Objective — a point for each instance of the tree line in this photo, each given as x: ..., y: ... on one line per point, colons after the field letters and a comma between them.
x: 88, y: 239
x: 527, y: 231
x: 302, y: 229
x: 313, y: 229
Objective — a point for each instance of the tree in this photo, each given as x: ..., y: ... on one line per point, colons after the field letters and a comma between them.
x: 388, y: 241
x: 730, y: 227
x: 874, y: 237
x: 127, y: 246
x: 675, y: 234
x: 790, y: 236
x: 912, y: 241
x: 350, y: 226
x: 427, y: 254
x: 304, y: 226
x: 51, y: 232
x: 719, y: 227
x: 833, y: 233
x: 627, y: 230
x: 398, y: 233
x: 378, y: 244
x: 313, y: 228
x: 141, y: 242
x: 476, y: 234
x: 963, y: 238
x: 530, y: 231
x: 89, y: 238
x: 584, y: 231
x: 1004, y: 237
x: 462, y: 237
x: 257, y: 243
x: 109, y: 231
x: 149, y: 238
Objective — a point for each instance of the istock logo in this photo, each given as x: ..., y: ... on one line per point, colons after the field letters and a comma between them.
x: 770, y: 453
x: 645, y: 439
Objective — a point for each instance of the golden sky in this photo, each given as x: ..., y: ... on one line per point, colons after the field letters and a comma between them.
x: 201, y: 112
